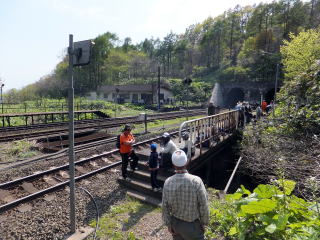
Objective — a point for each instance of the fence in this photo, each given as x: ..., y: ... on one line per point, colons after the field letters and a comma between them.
x: 51, y: 107
x: 209, y: 128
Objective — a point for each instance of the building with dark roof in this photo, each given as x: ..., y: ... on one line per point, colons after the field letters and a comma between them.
x: 133, y: 93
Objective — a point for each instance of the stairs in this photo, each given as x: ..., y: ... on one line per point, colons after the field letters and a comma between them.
x: 140, y: 186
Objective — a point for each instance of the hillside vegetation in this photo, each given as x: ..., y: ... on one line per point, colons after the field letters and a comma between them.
x: 241, y: 44
x: 288, y: 144
x: 283, y: 151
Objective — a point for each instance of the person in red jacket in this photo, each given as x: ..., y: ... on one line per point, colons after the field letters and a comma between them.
x: 264, y: 105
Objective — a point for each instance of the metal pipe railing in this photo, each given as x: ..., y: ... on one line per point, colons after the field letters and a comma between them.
x: 231, y: 177
x: 209, y: 128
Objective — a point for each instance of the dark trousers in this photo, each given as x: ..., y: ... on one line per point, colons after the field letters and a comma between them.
x: 166, y: 161
x: 125, y: 160
x: 153, y: 178
x: 186, y: 151
x: 187, y: 230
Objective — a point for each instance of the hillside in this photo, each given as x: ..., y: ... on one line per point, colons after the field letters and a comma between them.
x: 241, y: 44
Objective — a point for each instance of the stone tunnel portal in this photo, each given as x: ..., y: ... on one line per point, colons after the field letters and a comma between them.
x: 233, y: 96
x: 269, y: 96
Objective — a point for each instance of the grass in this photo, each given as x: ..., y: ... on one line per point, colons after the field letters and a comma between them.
x: 119, y: 221
x: 56, y: 105
x: 166, y: 124
x: 21, y: 149
x: 157, y: 126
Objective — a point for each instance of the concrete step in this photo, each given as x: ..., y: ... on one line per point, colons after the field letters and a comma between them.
x: 142, y: 157
x: 145, y: 176
x: 144, y: 198
x: 141, y: 187
x: 164, y: 172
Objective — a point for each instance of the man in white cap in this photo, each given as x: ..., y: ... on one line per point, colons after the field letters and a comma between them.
x: 184, y: 202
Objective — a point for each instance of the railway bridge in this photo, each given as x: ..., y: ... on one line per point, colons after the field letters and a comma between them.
x: 210, y: 134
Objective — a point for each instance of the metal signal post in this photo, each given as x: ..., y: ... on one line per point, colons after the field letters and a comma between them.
x: 79, y: 54
x: 71, y: 137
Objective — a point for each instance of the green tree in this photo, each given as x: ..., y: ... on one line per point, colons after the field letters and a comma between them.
x: 300, y: 95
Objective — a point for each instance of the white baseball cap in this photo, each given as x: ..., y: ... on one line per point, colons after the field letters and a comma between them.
x: 166, y: 135
x: 179, y: 158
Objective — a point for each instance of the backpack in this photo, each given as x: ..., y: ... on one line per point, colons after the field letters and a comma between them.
x: 118, y: 142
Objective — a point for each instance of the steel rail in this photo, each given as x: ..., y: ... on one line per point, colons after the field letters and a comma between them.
x: 33, y: 196
x: 104, y: 124
x: 85, y: 121
x: 78, y: 148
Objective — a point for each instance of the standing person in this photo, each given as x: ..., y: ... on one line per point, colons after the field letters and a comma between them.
x: 126, y: 151
x: 153, y: 167
x: 258, y: 112
x: 264, y: 105
x: 211, y: 109
x: 184, y: 202
x: 167, y: 150
x: 187, y: 141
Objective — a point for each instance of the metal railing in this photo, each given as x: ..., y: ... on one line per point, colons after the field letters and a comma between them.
x: 208, y: 129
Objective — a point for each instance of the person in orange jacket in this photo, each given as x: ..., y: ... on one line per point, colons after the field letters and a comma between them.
x: 264, y: 105
x: 126, y: 151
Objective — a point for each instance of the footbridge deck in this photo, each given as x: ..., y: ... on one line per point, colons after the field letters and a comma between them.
x: 209, y: 135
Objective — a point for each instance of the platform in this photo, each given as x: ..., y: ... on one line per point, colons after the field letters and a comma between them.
x: 47, y: 116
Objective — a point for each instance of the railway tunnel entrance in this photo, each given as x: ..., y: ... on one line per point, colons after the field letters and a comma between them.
x: 269, y: 96
x: 233, y: 96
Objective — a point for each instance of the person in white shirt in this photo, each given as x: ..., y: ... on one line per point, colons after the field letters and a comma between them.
x: 187, y: 140
x: 168, y: 148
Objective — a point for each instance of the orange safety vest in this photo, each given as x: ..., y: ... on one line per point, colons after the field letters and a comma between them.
x: 123, y: 139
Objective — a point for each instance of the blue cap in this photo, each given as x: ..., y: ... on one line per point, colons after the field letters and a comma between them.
x: 153, y: 146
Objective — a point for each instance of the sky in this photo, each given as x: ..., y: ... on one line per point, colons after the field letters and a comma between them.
x: 35, y: 33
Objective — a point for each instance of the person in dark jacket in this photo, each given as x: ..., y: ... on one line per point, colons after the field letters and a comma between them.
x: 153, y: 167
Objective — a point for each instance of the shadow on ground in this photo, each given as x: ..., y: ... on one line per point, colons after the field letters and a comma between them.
x: 134, y: 217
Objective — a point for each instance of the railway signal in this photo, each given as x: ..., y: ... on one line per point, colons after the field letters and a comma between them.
x: 79, y: 55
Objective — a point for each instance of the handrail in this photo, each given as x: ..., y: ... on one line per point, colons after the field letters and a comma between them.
x: 206, y: 128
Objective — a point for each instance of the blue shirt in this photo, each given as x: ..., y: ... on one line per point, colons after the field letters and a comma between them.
x: 153, y: 160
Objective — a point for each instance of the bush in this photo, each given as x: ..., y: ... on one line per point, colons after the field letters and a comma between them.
x: 269, y: 212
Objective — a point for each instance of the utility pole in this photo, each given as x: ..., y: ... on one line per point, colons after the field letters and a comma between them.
x: 187, y: 82
x: 2, y: 85
x: 116, y: 102
x: 275, y: 91
x: 159, y: 88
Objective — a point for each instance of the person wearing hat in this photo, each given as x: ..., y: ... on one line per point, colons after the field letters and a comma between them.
x: 167, y: 150
x: 153, y: 167
x: 184, y: 202
x: 126, y: 151
x: 187, y: 141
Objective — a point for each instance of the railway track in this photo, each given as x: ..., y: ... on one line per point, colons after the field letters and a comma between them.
x: 28, y: 188
x: 33, y: 131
